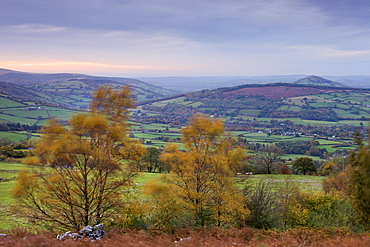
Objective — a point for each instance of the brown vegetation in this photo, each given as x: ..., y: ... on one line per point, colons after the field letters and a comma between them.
x: 212, y: 237
x: 279, y: 92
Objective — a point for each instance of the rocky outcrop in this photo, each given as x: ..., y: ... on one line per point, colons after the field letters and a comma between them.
x: 91, y: 232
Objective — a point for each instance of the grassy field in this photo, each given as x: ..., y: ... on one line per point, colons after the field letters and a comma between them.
x: 5, y: 102
x: 8, y: 173
x: 17, y: 137
x: 306, y: 183
x: 296, y: 156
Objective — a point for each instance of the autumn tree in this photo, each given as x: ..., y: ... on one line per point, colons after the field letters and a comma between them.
x: 83, y: 175
x: 268, y: 156
x: 304, y: 165
x: 203, y: 174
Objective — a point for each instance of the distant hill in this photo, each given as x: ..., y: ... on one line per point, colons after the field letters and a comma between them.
x: 37, y: 80
x: 20, y: 92
x: 318, y: 81
x: 242, y: 105
x: 191, y: 84
x: 71, y: 90
x: 196, y: 83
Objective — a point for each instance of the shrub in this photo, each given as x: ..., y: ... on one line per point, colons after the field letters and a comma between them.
x: 319, y: 210
x: 263, y: 204
x: 336, y: 183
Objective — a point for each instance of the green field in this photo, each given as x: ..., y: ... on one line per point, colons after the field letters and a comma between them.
x: 296, y: 156
x: 17, y: 137
x: 305, y: 183
x: 8, y: 171
x: 5, y: 103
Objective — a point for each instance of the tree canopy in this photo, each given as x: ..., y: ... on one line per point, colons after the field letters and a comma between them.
x: 304, y: 165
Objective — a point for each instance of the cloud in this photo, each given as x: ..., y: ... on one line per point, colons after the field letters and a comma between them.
x: 192, y: 36
x: 82, y: 67
x: 37, y: 28
x: 328, y: 52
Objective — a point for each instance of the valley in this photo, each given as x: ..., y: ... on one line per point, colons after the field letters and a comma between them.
x: 256, y: 114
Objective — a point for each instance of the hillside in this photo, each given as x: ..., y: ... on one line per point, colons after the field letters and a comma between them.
x: 21, y: 92
x: 318, y: 81
x: 191, y: 84
x: 22, y: 118
x: 279, y: 108
x: 59, y: 89
x: 258, y: 113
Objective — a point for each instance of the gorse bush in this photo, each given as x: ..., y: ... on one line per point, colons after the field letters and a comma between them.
x: 320, y: 210
x: 277, y: 205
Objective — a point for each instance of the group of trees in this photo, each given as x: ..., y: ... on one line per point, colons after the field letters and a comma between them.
x: 86, y: 173
x: 87, y: 170
x: 302, y: 147
x: 19, y: 127
x: 10, y: 149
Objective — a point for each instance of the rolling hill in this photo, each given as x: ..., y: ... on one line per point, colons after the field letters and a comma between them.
x: 250, y: 106
x: 191, y: 83
x: 72, y: 90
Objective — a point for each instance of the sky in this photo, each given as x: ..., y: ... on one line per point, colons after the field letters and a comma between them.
x: 186, y: 37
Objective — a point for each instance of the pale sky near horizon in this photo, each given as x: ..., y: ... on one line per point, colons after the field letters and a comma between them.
x: 186, y: 37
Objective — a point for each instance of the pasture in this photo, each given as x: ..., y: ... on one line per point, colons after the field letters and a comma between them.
x: 16, y: 137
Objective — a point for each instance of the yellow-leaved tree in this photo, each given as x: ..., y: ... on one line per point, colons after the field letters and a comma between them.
x: 82, y: 174
x: 203, y: 173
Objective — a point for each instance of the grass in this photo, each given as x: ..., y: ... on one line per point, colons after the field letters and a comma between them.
x: 254, y: 136
x: 346, y: 114
x: 318, y: 123
x: 33, y: 113
x: 144, y: 177
x: 327, y: 142
x: 305, y: 183
x: 352, y: 122
x: 4, y: 102
x: 6, y: 192
x: 17, y: 137
x: 8, y: 171
x: 321, y: 104
x: 17, y: 119
x: 296, y: 156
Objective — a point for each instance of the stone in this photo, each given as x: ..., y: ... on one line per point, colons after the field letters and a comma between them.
x: 92, y: 232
